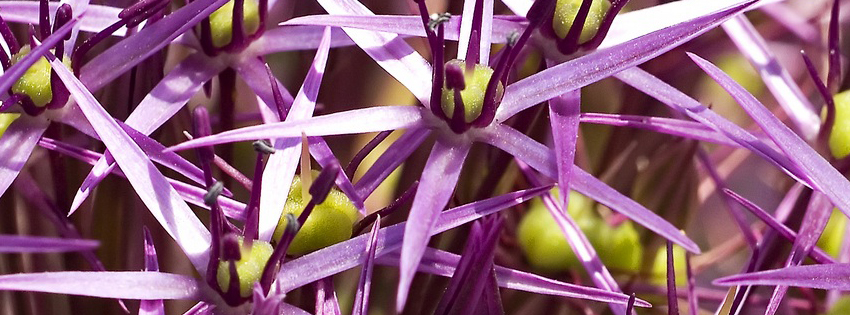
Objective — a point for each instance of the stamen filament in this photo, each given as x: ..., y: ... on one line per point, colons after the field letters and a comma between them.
x: 43, y: 19
x: 306, y: 170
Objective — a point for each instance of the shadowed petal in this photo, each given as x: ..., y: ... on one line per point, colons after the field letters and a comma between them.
x: 821, y: 174
x: 128, y: 53
x: 585, y: 70
x: 16, y: 145
x: 348, y: 254
x: 390, y: 160
x: 829, y: 277
x: 542, y: 159
x: 364, y: 285
x: 150, y: 307
x: 281, y: 165
x: 349, y: 122
x: 36, y: 244
x: 94, y: 19
x: 133, y: 285
x: 162, y: 200
x: 671, y: 126
x: 391, y: 52
x: 774, y: 75
x: 292, y: 37
x: 436, y: 186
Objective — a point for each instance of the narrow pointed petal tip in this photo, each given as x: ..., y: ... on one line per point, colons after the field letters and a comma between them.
x: 134, y: 285
x: 828, y: 277
x: 36, y: 244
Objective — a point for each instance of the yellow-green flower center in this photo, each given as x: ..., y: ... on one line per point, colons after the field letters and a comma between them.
x: 476, y: 80
x: 330, y: 222
x: 839, y: 136
x: 35, y: 82
x: 565, y: 14
x: 249, y: 267
x: 546, y: 249
x: 221, y: 22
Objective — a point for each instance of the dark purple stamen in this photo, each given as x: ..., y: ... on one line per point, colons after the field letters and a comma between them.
x: 43, y: 19
x: 605, y: 26
x: 9, y: 37
x: 361, y: 155
x: 386, y: 211
x: 5, y: 60
x: 631, y: 304
x: 279, y: 253
x: 231, y: 253
x: 280, y: 104
x: 571, y: 41
x: 834, y: 76
x: 455, y: 79
x: 152, y: 14
x: 826, y: 126
x: 237, y: 39
x: 672, y: 300
x: 458, y: 121
x: 473, y: 51
x: 252, y: 221
x: 206, y: 39
x: 323, y: 184
x: 63, y: 15
x: 202, y: 129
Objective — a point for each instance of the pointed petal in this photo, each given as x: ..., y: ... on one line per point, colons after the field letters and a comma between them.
x: 822, y: 175
x: 253, y: 72
x: 151, y: 307
x: 364, y: 285
x: 296, y: 37
x: 94, y: 19
x: 120, y: 58
x: 349, y: 122
x: 407, y: 25
x: 402, y: 148
x: 541, y: 158
x: 281, y: 165
x: 11, y: 75
x: 590, y: 68
x: 436, y: 186
x: 16, y: 145
x: 154, y: 190
x: 320, y: 150
x: 671, y: 126
x: 683, y: 103
x: 166, y: 98
x: 443, y: 263
x: 36, y: 244
x: 391, y: 52
x: 134, y: 285
x: 348, y: 254
x: 829, y: 277
x: 786, y: 92
x: 481, y: 40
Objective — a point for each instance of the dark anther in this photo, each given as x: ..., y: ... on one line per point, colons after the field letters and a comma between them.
x: 454, y: 77
x: 292, y: 227
x: 323, y: 184
x: 43, y: 19
x: 438, y: 18
x: 213, y: 193
x: 230, y: 249
x: 263, y: 146
x: 63, y: 15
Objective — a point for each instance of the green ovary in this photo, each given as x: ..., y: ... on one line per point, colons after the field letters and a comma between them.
x: 329, y: 223
x: 476, y: 81
x: 221, y: 21
x: 6, y: 119
x: 546, y: 249
x: 35, y: 82
x: 249, y: 267
x: 565, y: 14
x: 839, y: 136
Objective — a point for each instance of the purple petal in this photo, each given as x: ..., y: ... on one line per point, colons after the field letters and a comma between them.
x: 349, y: 122
x: 408, y: 25
x: 443, y: 263
x: 822, y: 175
x: 584, y: 70
x: 35, y: 244
x: 677, y: 127
x: 436, y: 186
x: 364, y: 285
x: 154, y: 190
x: 391, y: 52
x: 326, y: 301
x: 563, y: 117
x: 474, y: 267
x: 679, y: 101
x: 291, y: 37
x: 16, y: 145
x: 390, y: 160
x: 253, y: 72
x: 541, y: 158
x: 133, y: 285
x: 829, y: 277
x: 128, y: 53
x: 786, y: 92
x: 150, y: 307
x: 94, y: 19
x: 158, y: 106
x: 480, y: 40
x: 281, y: 165
x: 348, y: 254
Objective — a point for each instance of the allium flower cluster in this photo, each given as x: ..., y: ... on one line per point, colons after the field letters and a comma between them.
x: 424, y: 157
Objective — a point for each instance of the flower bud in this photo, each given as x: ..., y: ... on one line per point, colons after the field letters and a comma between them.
x: 249, y: 267
x: 330, y: 222
x: 221, y: 21
x: 472, y: 85
x: 565, y: 14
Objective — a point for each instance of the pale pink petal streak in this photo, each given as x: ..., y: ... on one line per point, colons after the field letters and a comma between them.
x: 16, y: 145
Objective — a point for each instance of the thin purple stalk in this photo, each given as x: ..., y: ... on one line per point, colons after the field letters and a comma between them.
x: 358, y: 158
x: 833, y: 78
x: 672, y: 300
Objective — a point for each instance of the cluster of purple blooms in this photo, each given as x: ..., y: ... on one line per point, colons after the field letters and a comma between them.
x: 514, y: 87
